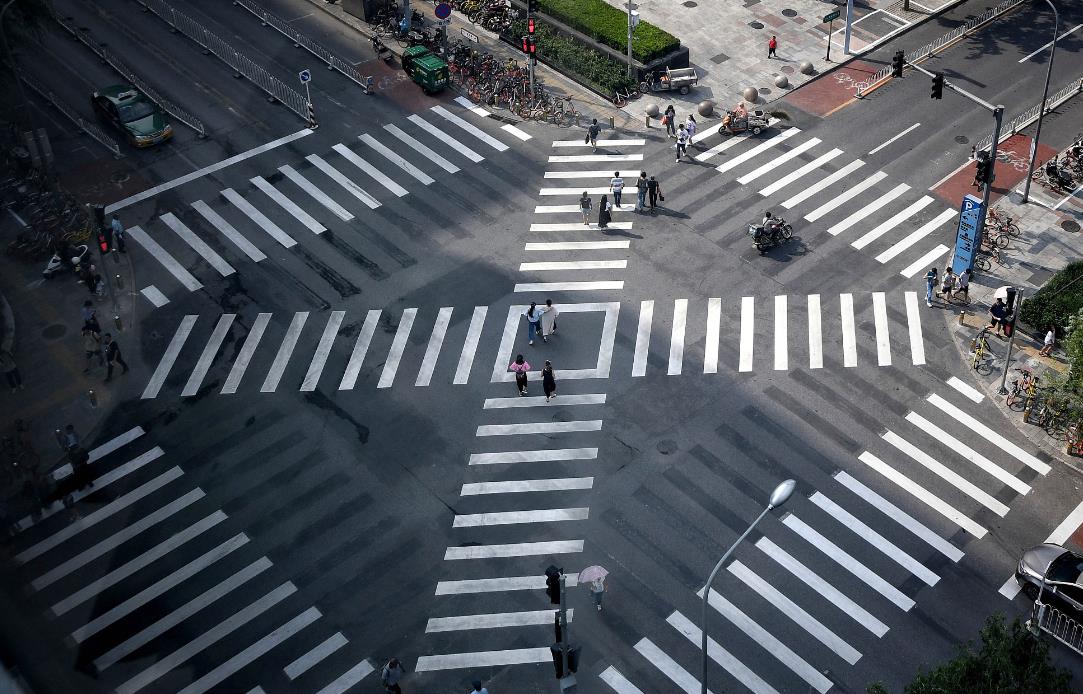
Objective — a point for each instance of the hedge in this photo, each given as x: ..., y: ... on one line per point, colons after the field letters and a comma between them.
x: 1057, y: 301
x: 608, y: 25
x: 596, y: 70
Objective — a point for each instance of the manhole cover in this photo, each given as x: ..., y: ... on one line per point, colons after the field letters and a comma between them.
x: 119, y: 177
x: 54, y: 331
x: 787, y: 69
x: 789, y: 13
x: 666, y: 446
x: 1070, y: 225
x: 962, y: 139
x: 689, y: 3
x: 720, y: 58
x: 755, y: 25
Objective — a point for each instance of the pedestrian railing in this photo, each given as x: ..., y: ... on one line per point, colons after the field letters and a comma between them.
x: 1031, y: 114
x: 302, y: 41
x: 241, y: 64
x: 126, y: 72
x: 1058, y: 625
x: 87, y: 127
x: 933, y: 46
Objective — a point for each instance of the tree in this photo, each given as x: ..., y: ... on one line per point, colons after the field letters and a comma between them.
x: 1009, y: 660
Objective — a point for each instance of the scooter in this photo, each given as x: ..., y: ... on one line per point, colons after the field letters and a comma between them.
x: 765, y: 238
x: 382, y: 51
x: 1058, y: 176
x: 59, y: 263
x: 417, y: 20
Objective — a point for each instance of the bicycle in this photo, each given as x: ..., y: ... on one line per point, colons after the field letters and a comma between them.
x: 620, y: 99
x: 986, y: 257
x: 979, y: 345
x: 1023, y: 390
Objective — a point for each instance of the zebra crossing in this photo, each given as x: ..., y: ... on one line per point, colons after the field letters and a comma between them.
x: 819, y: 587
x: 307, y: 196
x: 131, y: 566
x: 817, y: 193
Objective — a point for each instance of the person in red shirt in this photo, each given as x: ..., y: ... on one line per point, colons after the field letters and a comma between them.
x: 771, y: 46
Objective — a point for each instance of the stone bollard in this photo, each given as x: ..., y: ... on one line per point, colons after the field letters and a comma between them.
x: 750, y: 94
x: 93, y: 397
x: 806, y: 68
x: 782, y: 81
x: 651, y: 112
x: 705, y: 108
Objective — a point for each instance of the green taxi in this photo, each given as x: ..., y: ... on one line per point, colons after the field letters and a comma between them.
x: 128, y: 110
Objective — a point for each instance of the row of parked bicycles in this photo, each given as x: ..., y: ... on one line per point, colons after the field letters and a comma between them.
x: 506, y: 84
x: 1000, y: 229
x: 51, y: 218
x: 1047, y: 406
x: 1063, y: 173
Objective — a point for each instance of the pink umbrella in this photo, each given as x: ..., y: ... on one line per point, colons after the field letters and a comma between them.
x: 592, y: 573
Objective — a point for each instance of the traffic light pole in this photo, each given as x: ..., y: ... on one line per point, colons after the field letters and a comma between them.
x: 1011, y: 342
x: 1041, y: 109
x: 630, y: 38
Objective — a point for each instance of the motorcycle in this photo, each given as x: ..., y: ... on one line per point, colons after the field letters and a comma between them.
x: 417, y: 20
x: 774, y: 234
x: 1058, y: 176
x: 60, y: 263
x: 382, y: 51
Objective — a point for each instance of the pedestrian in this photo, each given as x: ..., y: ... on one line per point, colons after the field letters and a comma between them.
x: 962, y: 285
x: 391, y: 674
x: 585, y: 207
x: 1050, y: 341
x: 549, y: 381
x: 533, y: 321
x: 682, y: 142
x: 654, y: 193
x: 616, y: 186
x: 641, y: 191
x: 92, y: 347
x: 592, y: 134
x: 998, y: 312
x: 930, y: 284
x: 81, y: 477
x: 947, y: 284
x: 118, y: 234
x: 772, y: 45
x: 71, y: 439
x: 605, y: 213
x: 520, y: 366
x: 690, y: 127
x: 90, y: 316
x: 548, y: 319
x: 478, y: 689
x: 112, y: 354
x: 11, y: 370
x: 671, y: 121
x: 597, y: 590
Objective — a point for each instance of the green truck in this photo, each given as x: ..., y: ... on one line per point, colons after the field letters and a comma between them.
x: 425, y: 68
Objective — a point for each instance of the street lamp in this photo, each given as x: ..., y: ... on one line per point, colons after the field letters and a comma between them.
x: 778, y: 497
x: 1045, y: 95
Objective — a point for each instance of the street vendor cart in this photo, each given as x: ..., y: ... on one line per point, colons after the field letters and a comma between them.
x: 682, y: 80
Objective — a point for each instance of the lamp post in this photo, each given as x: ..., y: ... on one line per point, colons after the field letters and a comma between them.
x: 778, y: 497
x: 1045, y: 95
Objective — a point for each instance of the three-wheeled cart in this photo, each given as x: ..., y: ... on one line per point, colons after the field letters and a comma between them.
x: 427, y: 69
x: 682, y: 80
x: 735, y: 122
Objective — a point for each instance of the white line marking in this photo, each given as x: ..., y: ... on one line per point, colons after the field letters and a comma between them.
x: 315, y: 193
x: 482, y: 659
x: 499, y: 585
x: 539, y: 428
x: 397, y: 160
x: 521, y: 134
x: 315, y: 656
x: 538, y: 456
x: 360, y: 349
x: 599, y: 190
x: 198, y: 245
x: 927, y: 260
x: 923, y: 495
x: 717, y: 653
x: 519, y: 549
x: 849, y: 336
x: 812, y: 580
x: 443, y: 137
x: 913, y: 323
x: 915, y: 236
x: 288, y: 205
x: 523, y: 486
x: 471, y: 106
x: 967, y: 452
x: 373, y: 173
x: 539, y: 401
x: 567, y: 286
x: 491, y: 621
x: 227, y: 230
x: 782, y: 359
x: 576, y: 245
x: 714, y: 324
x: 801, y: 172
x: 111, y: 446
x: 582, y: 158
x: 1070, y: 31
x: 966, y: 389
x: 643, y: 338
x: 883, y: 341
x: 323, y: 350
x: 348, y: 679
x: 811, y: 190
x: 894, y: 221
x: 844, y: 197
x: 1059, y: 536
x: 573, y: 265
x: 161, y: 372
x: 344, y: 181
x: 748, y: 332
x: 272, y: 229
x: 206, y: 358
x: 867, y: 210
x: 815, y: 333
x: 162, y: 256
x: 635, y: 142
x: 154, y: 296
x: 989, y: 435
x: 285, y: 351
x: 251, y: 342
x: 676, y: 341
x: 544, y: 515
x: 574, y: 226
x: 896, y: 137
x: 718, y: 149
x: 473, y: 130
x: 138, y: 197
x: 758, y: 149
x: 945, y: 473
x: 579, y: 174
x: 617, y: 682
x: 848, y: 562
x: 398, y: 346
x: 556, y: 209
x: 470, y: 345
x: 669, y: 667
x: 779, y: 160
x: 421, y: 149
x: 432, y: 350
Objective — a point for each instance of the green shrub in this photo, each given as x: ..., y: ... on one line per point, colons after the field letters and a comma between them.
x: 608, y: 25
x: 1057, y: 301
x: 587, y: 65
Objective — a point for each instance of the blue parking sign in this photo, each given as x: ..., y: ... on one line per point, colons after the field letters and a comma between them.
x: 966, y: 238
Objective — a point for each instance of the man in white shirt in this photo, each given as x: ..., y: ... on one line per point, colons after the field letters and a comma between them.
x: 682, y: 142
x: 616, y: 185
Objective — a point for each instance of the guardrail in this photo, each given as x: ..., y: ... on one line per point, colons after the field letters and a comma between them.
x: 933, y: 46
x: 241, y: 64
x: 126, y: 72
x: 1058, y: 625
x: 87, y: 127
x: 302, y: 41
x: 1031, y: 114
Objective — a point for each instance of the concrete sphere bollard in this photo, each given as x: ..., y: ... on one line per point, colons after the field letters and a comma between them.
x: 750, y: 94
x: 705, y: 108
x: 652, y: 110
x: 782, y: 81
x: 806, y: 68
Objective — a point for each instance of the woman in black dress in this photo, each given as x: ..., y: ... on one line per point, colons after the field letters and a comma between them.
x: 604, y: 216
x: 549, y: 381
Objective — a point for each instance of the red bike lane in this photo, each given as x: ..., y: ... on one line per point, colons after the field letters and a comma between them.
x: 1013, y: 157
x: 834, y: 90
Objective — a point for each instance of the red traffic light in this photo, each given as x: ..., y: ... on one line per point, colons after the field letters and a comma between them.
x: 530, y: 25
x: 533, y: 46
x: 526, y: 45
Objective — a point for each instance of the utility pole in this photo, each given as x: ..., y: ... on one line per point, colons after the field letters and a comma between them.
x: 631, y: 26
x: 1011, y: 341
x: 849, y: 23
x: 1041, y: 109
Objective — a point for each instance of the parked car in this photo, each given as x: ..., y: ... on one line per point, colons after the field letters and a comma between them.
x: 1063, y: 571
x: 128, y: 110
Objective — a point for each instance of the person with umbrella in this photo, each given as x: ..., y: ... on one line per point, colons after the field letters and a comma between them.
x: 594, y: 576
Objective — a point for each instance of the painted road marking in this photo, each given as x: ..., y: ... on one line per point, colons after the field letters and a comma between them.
x: 396, y: 159
x: 894, y: 221
x: 583, y: 158
x: 717, y: 149
x: 323, y: 350
x: 748, y: 336
x: 567, y: 286
x: 470, y: 345
x: 782, y: 360
x: 539, y: 428
x: 373, y: 173
x: 206, y: 358
x: 896, y: 137
x: 285, y: 351
x: 491, y: 621
x: 251, y: 342
x: 815, y: 333
x: 227, y: 230
x: 714, y: 325
x: 635, y: 142
x: 1062, y: 36
x: 197, y: 244
x: 800, y: 173
x: 162, y: 256
x: 867, y: 210
x: 576, y: 245
x: 676, y: 341
x: 537, y: 456
x: 554, y: 265
x: 844, y: 197
x: 522, y: 486
x: 519, y: 549
x: 472, y: 129
x: 811, y: 190
x: 499, y: 585
x: 928, y: 260
x: 360, y: 349
x: 849, y: 336
x: 989, y: 435
x: 421, y: 149
x: 545, y: 515
x: 913, y: 322
x: 161, y: 371
x: 915, y: 236
x: 718, y: 654
x: 315, y: 193
x: 967, y: 452
x: 521, y: 134
x: 758, y: 149
x: 575, y: 226
x: 779, y: 160
x: 442, y: 136
x: 272, y: 229
x: 883, y: 341
x: 966, y: 389
x: 432, y: 351
x: 643, y: 338
x: 315, y: 656
x: 539, y: 401
x: 154, y: 296
x: 288, y: 205
x: 482, y: 659
x: 1059, y: 536
x: 617, y: 682
x: 344, y: 181
x: 346, y: 681
x: 398, y: 346
x: 579, y: 174
x: 599, y: 190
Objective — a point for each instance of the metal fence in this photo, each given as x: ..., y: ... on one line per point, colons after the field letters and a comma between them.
x: 241, y: 64
x: 302, y: 41
x: 930, y: 48
x: 1031, y: 114
x: 128, y: 74
x: 87, y: 127
x: 1058, y: 625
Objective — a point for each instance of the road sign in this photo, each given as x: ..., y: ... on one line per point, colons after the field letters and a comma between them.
x: 966, y: 238
x: 833, y: 16
x: 469, y: 36
x: 442, y: 11
x: 305, y: 76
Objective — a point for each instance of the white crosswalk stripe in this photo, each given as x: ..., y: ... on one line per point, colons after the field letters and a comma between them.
x: 607, y: 174
x: 883, y: 342
x: 288, y: 205
x: 315, y: 656
x: 442, y: 136
x: 422, y: 149
x: 800, y: 173
x: 930, y: 259
x: 867, y: 210
x: 315, y: 193
x: 432, y: 351
x: 285, y: 351
x: 758, y: 149
x: 341, y: 179
x: 822, y: 184
x: 197, y: 244
x: 227, y: 230
x: 210, y: 350
x: 323, y: 350
x: 347, y: 680
x: 967, y: 452
x: 398, y: 346
x: 889, y: 224
x: 617, y: 682
x: 841, y: 199
x: 524, y: 486
x: 815, y: 333
x: 458, y: 661
x: 578, y: 158
x: 165, y: 365
x: 491, y: 621
x: 778, y: 161
x: 397, y: 160
x: 915, y: 236
x: 360, y: 350
x: 370, y: 170
x: 955, y: 479
x: 261, y: 220
x: 244, y: 358
x: 162, y: 256
x: 718, y: 654
x: 500, y: 585
x: 989, y: 435
x: 470, y: 128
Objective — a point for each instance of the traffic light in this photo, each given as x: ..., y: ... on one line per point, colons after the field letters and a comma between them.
x: 897, y: 62
x: 530, y: 26
x: 533, y: 47
x: 558, y: 659
x: 552, y: 584
x: 1009, y: 302
x: 984, y: 168
x: 938, y: 86
x: 526, y: 45
x: 532, y: 6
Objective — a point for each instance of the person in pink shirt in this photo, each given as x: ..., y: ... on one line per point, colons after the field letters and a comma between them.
x: 520, y: 366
